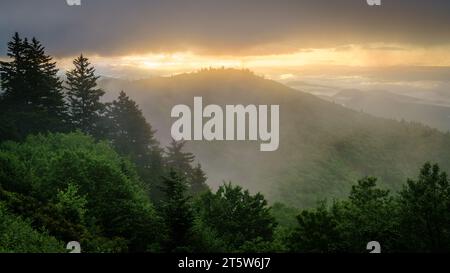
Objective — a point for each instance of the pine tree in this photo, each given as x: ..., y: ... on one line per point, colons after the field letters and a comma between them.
x: 11, y: 80
x: 84, y: 97
x: 177, y: 212
x: 32, y: 90
x: 178, y: 160
x: 132, y: 136
x: 130, y: 132
x: 198, y: 181
x: 48, y: 93
x: 181, y: 162
x: 12, y: 74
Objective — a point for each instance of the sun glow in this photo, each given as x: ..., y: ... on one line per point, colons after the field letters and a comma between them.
x: 374, y: 55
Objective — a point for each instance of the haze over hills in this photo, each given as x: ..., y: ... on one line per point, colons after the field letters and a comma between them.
x: 324, y: 147
x: 412, y: 93
x: 390, y: 105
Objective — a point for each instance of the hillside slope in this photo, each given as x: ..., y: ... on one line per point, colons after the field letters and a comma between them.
x: 390, y: 105
x: 324, y: 147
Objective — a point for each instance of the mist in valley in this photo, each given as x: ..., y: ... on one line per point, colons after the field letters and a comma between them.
x: 330, y: 136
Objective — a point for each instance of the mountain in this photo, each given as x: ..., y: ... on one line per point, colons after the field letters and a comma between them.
x: 324, y: 147
x: 390, y: 105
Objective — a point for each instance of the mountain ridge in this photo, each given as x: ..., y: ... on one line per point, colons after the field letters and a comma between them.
x: 324, y: 147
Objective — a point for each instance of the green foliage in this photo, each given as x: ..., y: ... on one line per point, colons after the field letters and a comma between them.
x: 260, y: 245
x: 324, y: 147
x: 57, y: 188
x: 369, y: 215
x: 80, y: 187
x: 317, y: 232
x: 197, y: 181
x: 8, y: 130
x: 84, y: 97
x: 178, y: 213
x: 181, y: 162
x: 415, y: 220
x: 130, y: 132
x: 285, y: 215
x: 347, y: 226
x: 236, y: 216
x: 424, y: 210
x: 205, y: 239
x: 32, y: 92
x: 17, y: 236
x: 12, y: 170
x: 134, y: 138
x: 71, y: 205
x: 43, y: 215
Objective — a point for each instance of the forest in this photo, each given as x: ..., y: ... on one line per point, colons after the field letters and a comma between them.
x: 75, y: 168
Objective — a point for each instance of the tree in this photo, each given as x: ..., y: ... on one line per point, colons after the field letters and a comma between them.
x: 32, y: 94
x: 133, y: 136
x: 17, y: 236
x: 77, y: 188
x: 71, y: 205
x: 316, y: 232
x: 198, y: 181
x: 84, y: 97
x: 130, y: 132
x: 181, y: 162
x: 12, y: 74
x: 177, y: 212
x: 424, y: 210
x: 8, y: 130
x: 236, y: 215
x: 369, y: 214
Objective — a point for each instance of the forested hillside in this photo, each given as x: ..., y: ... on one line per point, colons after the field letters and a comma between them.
x: 324, y: 147
x: 76, y: 168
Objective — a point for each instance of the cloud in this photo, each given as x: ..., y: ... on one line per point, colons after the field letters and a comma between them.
x: 115, y: 27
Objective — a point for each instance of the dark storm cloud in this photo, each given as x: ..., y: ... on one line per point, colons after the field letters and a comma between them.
x: 228, y: 26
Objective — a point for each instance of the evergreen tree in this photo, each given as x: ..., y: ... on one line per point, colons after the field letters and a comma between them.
x: 32, y: 92
x: 12, y: 74
x: 42, y: 71
x: 8, y: 130
x: 130, y: 132
x: 198, y: 181
x: 179, y: 160
x: 84, y: 97
x: 132, y: 136
x: 177, y: 212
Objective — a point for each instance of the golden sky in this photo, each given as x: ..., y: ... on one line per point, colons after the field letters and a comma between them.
x: 175, y: 36
x: 373, y: 55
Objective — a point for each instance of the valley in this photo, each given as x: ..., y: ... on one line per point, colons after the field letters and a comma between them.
x: 324, y: 147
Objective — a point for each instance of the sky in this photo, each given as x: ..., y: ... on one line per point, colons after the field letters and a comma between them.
x: 141, y: 37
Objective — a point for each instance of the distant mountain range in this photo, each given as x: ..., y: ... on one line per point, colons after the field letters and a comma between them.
x: 324, y: 147
x: 390, y: 105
